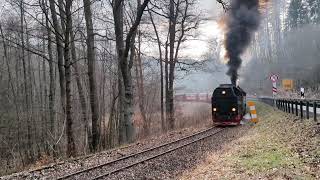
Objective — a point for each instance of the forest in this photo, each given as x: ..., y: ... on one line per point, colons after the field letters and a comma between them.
x: 80, y: 76
x: 287, y: 44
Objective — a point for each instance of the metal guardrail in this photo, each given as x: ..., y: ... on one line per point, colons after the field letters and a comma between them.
x: 305, y: 108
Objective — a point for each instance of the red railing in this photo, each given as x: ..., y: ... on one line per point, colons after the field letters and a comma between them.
x: 200, y: 97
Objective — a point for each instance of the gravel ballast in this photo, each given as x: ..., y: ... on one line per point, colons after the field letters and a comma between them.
x: 172, y: 165
x: 59, y: 169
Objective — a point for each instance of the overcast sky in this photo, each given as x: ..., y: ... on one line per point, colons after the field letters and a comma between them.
x: 200, y: 82
x: 208, y: 30
x: 211, y: 6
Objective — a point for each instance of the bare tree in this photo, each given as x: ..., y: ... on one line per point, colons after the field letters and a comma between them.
x: 70, y: 139
x: 92, y: 79
x: 59, y: 46
x: 125, y: 85
x: 163, y: 126
x: 84, y: 114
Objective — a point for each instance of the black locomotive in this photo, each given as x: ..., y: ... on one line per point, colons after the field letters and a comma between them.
x: 228, y: 105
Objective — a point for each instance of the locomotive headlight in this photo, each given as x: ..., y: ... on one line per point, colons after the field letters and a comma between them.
x: 215, y: 109
x: 234, y: 109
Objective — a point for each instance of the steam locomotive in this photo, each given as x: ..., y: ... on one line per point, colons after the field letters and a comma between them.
x: 228, y: 105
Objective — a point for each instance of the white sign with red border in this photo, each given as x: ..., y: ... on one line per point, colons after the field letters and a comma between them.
x: 274, y: 78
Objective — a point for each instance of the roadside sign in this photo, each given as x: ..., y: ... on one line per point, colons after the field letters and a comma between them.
x: 274, y: 78
x: 287, y: 84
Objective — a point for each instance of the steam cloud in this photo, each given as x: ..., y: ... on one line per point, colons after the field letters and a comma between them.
x: 243, y: 20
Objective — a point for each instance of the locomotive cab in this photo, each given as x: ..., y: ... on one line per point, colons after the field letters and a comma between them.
x: 228, y: 105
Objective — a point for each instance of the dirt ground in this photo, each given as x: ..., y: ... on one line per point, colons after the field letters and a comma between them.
x: 280, y: 146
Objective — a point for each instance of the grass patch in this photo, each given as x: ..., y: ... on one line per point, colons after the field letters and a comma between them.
x: 265, y: 149
x: 265, y: 156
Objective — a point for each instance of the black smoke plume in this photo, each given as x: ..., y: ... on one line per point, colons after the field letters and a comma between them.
x: 243, y: 20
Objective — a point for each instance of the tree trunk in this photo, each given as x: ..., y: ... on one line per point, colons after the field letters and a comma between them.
x: 26, y: 110
x: 44, y: 96
x: 172, y: 35
x: 118, y: 20
x: 139, y: 76
x: 70, y: 140
x: 161, y: 73
x: 88, y: 135
x: 166, y: 77
x: 92, y: 78
x: 128, y: 96
x: 51, y: 96
x: 58, y: 34
x: 51, y: 80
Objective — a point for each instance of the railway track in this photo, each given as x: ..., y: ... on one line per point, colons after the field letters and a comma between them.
x: 112, y: 167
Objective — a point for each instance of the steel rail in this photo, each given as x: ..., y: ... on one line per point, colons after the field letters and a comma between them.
x: 155, y: 156
x: 131, y: 155
x: 71, y: 160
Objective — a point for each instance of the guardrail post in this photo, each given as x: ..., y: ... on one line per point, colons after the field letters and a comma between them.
x: 292, y: 108
x: 315, y: 111
x: 296, y: 102
x: 289, y: 106
x: 307, y: 109
x: 282, y: 105
x: 286, y: 104
x: 301, y: 109
x: 279, y: 101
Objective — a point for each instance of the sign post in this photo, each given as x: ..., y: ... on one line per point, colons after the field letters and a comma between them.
x: 302, y: 92
x: 274, y: 78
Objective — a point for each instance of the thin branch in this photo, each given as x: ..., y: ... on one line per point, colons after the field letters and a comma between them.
x: 224, y: 5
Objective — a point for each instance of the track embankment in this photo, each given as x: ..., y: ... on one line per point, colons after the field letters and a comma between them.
x: 166, y: 163
x: 280, y: 146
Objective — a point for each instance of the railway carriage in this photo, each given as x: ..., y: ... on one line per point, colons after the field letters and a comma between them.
x: 228, y: 105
